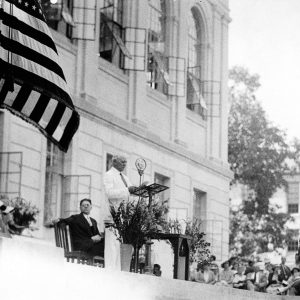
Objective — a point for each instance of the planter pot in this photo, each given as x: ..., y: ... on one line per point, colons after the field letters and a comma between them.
x: 126, y: 255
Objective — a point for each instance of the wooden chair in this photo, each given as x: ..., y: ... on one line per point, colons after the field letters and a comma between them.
x: 63, y: 240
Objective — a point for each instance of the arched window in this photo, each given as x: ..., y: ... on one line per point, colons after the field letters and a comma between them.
x: 157, y: 72
x: 195, y: 100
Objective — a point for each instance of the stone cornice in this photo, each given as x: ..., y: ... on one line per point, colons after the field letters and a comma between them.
x: 93, y: 112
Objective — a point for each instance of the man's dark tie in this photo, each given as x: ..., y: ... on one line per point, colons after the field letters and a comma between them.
x: 123, y: 179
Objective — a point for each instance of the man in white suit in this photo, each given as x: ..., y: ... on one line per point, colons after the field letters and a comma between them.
x: 117, y: 188
x: 117, y: 185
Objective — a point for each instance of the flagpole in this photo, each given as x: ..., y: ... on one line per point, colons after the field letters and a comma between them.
x: 1, y: 11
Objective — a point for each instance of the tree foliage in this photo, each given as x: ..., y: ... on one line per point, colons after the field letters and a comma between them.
x: 250, y: 233
x: 258, y: 150
x: 259, y: 156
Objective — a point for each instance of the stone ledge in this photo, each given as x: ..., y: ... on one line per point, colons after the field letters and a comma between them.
x: 28, y: 272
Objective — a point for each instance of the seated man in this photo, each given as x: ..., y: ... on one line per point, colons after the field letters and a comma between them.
x: 84, y: 231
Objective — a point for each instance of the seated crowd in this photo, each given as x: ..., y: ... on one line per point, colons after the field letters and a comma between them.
x: 250, y: 275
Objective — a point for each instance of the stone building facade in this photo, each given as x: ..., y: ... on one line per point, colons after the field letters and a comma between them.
x: 149, y: 79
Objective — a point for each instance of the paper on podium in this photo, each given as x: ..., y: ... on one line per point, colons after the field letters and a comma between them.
x: 152, y: 189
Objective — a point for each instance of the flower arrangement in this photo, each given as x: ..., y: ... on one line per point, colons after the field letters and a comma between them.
x: 199, y: 249
x: 135, y: 221
x: 24, y: 215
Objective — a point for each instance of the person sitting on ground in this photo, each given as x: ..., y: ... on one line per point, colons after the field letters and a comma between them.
x: 215, y: 269
x: 273, y: 281
x: 239, y: 279
x: 205, y: 275
x: 273, y: 274
x: 257, y: 280
x: 84, y: 231
x: 156, y: 270
x: 285, y: 271
x: 234, y: 267
x: 293, y: 285
x: 294, y: 282
x: 212, y: 261
x: 226, y: 275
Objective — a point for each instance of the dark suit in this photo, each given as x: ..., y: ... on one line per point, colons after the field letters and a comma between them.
x: 81, y: 235
x: 285, y: 273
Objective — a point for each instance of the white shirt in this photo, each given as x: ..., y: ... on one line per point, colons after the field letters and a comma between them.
x: 115, y: 189
x: 88, y: 219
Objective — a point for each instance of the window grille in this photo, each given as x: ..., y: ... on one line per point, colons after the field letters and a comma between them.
x: 293, y: 245
x: 203, y: 96
x: 293, y: 208
x: 293, y: 192
x: 195, y: 99
x: 84, y: 13
x: 11, y: 173
x: 135, y: 42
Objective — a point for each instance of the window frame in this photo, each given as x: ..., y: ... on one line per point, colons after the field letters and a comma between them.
x: 157, y: 59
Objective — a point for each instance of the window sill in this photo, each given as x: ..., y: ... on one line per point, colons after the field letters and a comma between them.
x: 112, y: 70
x: 158, y: 96
x: 196, y: 118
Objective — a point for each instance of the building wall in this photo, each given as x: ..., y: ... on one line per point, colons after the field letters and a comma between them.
x: 120, y: 114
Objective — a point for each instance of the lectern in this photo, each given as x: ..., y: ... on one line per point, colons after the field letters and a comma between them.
x: 146, y: 191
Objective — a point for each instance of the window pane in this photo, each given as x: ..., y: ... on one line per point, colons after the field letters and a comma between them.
x: 53, y: 181
x: 157, y: 61
x: 111, y: 32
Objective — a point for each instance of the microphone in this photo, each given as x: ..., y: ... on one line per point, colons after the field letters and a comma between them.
x: 141, y: 165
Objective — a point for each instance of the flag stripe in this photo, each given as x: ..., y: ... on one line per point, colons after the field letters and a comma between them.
x: 55, y: 119
x: 62, y: 124
x: 34, y: 68
x: 4, y: 91
x: 69, y: 129
x: 48, y: 113
x: 28, y: 42
x: 22, y: 97
x: 28, y: 53
x: 28, y: 29
x: 39, y: 108
x: 47, y: 86
x: 29, y: 105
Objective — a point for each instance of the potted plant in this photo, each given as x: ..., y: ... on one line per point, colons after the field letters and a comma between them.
x: 135, y: 221
x: 199, y: 249
x: 24, y: 215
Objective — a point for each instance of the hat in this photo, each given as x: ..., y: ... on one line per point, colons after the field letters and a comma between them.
x: 225, y: 262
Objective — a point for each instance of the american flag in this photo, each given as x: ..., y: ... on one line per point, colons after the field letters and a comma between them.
x: 32, y: 83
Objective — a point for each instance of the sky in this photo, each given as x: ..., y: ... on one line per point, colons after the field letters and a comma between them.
x: 264, y: 37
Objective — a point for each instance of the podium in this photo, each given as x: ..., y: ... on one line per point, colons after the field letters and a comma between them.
x: 148, y: 191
